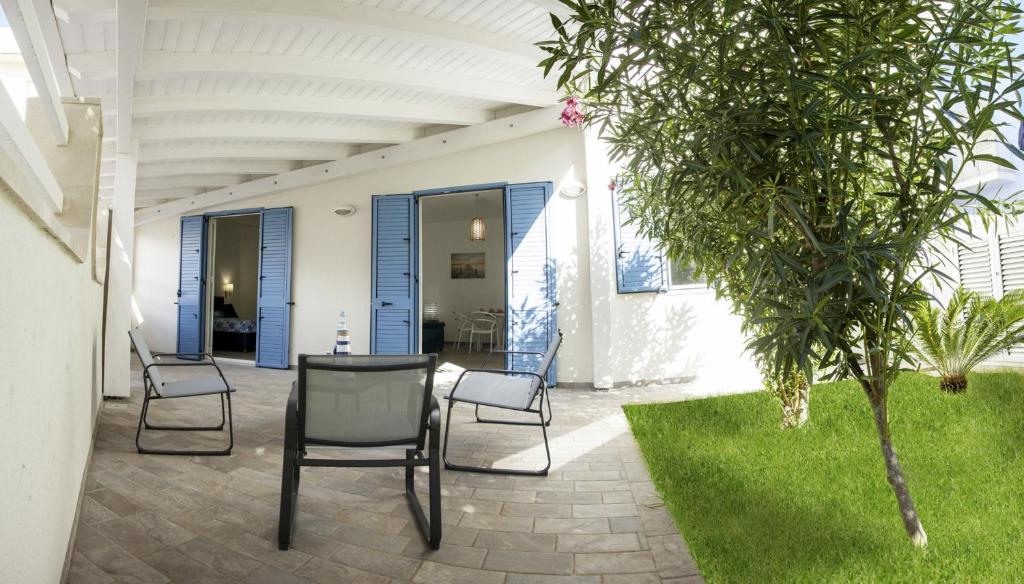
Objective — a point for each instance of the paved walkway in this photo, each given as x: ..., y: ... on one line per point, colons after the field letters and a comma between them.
x: 595, y: 519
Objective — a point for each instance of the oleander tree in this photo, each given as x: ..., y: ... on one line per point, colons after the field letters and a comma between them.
x: 804, y: 156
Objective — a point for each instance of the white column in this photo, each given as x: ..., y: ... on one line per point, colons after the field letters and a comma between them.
x: 602, y: 262
x: 117, y: 363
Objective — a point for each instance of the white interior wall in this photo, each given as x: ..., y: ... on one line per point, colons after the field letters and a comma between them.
x: 609, y: 338
x: 237, y: 260
x: 443, y: 235
x: 50, y: 354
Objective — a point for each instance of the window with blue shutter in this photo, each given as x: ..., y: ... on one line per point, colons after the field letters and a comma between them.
x: 191, y: 284
x: 273, y: 304
x: 639, y: 264
x: 392, y: 313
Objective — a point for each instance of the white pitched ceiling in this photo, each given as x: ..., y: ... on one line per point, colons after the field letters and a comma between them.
x: 225, y: 86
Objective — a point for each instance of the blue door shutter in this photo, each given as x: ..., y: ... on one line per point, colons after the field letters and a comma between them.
x: 273, y: 303
x: 191, y: 283
x: 531, y: 315
x: 639, y: 264
x: 393, y: 287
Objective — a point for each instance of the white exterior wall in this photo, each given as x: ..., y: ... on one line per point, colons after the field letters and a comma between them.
x: 50, y: 351
x: 638, y: 337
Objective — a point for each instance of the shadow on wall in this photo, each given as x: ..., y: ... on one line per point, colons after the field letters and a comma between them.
x: 652, y: 336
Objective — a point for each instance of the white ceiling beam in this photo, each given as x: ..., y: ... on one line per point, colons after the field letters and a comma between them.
x: 192, y: 167
x: 143, y: 203
x: 452, y: 142
x: 325, y: 15
x: 296, y: 132
x: 207, y: 181
x: 85, y: 11
x: 54, y: 46
x: 25, y: 173
x: 24, y: 22
x: 154, y: 106
x: 131, y: 32
x: 170, y: 152
x: 167, y: 64
x: 167, y: 193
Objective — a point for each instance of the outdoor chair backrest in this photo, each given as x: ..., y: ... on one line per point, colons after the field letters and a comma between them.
x: 142, y: 350
x: 365, y: 400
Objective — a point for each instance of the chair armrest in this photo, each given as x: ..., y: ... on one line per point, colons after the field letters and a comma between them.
x: 434, y: 426
x: 206, y: 355
x: 451, y: 394
x: 291, y: 419
x: 488, y: 357
x: 210, y: 363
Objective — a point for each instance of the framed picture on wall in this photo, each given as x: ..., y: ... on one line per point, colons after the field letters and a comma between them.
x: 467, y: 265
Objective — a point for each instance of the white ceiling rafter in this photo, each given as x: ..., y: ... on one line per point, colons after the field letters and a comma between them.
x: 194, y: 167
x: 131, y: 32
x: 54, y: 46
x: 163, y: 105
x: 192, y: 152
x: 25, y: 25
x: 164, y: 193
x: 207, y: 181
x: 296, y: 132
x: 451, y: 142
x: 324, y: 15
x: 164, y: 64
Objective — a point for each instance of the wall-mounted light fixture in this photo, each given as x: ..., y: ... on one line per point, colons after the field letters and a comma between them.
x: 477, y: 229
x: 345, y: 211
x: 228, y: 289
x: 573, y: 189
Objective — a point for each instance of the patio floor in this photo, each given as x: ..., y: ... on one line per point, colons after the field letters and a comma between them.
x: 596, y: 518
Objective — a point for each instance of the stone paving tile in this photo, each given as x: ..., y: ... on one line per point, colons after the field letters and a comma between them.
x: 596, y: 519
x: 525, y: 542
x: 529, y: 562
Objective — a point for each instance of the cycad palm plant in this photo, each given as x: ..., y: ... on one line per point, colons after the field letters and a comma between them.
x: 969, y: 330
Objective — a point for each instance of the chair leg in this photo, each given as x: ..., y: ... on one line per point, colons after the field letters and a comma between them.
x: 225, y: 417
x: 492, y: 470
x: 290, y: 475
x: 431, y: 528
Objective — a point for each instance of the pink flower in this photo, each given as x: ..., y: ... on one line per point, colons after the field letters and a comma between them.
x: 572, y: 114
x: 612, y: 184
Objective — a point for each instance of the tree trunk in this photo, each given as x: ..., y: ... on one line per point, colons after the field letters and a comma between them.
x: 796, y: 412
x: 894, y: 473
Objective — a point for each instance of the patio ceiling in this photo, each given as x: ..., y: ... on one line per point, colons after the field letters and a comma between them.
x: 217, y: 93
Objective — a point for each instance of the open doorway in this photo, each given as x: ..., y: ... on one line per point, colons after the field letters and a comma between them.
x: 462, y: 268
x: 234, y: 264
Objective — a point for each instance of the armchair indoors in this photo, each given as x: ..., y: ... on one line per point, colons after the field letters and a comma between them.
x: 364, y: 401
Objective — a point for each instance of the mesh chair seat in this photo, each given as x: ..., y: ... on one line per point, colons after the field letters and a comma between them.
x: 194, y: 387
x: 497, y: 390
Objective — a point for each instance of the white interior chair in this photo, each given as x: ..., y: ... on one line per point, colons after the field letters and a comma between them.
x: 483, y: 324
x: 463, y: 326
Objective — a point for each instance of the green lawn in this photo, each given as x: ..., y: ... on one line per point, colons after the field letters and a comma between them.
x: 757, y: 504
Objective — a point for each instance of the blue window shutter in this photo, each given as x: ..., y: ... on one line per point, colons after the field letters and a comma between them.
x: 530, y: 279
x: 639, y: 264
x: 191, y: 282
x: 273, y: 304
x: 393, y: 264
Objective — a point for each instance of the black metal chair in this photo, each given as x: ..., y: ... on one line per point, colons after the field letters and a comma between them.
x: 157, y: 389
x: 364, y: 401
x: 507, y: 389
